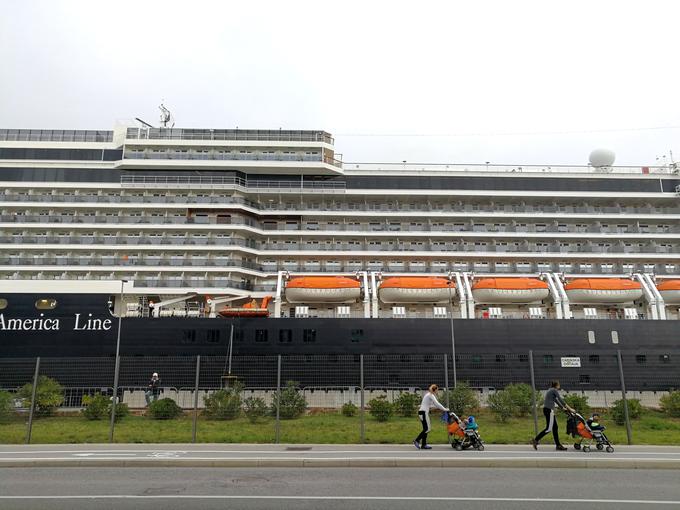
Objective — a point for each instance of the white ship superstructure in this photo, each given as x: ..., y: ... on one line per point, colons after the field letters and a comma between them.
x: 196, y: 218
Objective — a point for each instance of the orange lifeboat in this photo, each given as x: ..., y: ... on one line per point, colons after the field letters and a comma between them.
x: 323, y: 289
x: 509, y: 290
x: 670, y: 291
x: 250, y: 309
x: 602, y: 290
x: 416, y: 289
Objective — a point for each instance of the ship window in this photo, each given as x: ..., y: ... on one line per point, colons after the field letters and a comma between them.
x: 524, y: 358
x: 3, y: 304
x: 594, y: 359
x: 309, y: 336
x: 285, y: 336
x: 476, y: 360
x: 261, y: 335
x: 357, y: 335
x: 213, y: 336
x: 663, y: 358
x: 500, y: 358
x: 584, y: 379
x: 46, y: 304
x: 189, y: 336
x: 641, y: 359
x: 548, y: 359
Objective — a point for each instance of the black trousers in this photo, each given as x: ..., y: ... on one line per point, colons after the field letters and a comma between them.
x: 425, y: 422
x: 550, y: 424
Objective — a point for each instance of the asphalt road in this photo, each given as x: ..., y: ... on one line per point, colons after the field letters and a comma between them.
x: 336, y: 488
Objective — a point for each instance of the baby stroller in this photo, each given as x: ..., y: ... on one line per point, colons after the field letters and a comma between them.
x: 460, y: 437
x: 577, y: 426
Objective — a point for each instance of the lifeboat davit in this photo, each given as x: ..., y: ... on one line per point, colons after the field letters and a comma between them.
x: 416, y: 289
x: 602, y: 290
x: 670, y: 291
x: 323, y: 289
x: 509, y: 290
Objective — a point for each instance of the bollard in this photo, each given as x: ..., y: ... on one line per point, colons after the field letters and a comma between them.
x: 33, y: 392
x: 533, y: 391
x: 193, y: 425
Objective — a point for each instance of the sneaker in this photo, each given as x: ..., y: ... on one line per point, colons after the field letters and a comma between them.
x: 415, y: 443
x: 426, y: 447
x: 534, y: 443
x: 560, y: 448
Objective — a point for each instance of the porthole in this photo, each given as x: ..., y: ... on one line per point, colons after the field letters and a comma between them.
x: 46, y: 304
x: 3, y: 303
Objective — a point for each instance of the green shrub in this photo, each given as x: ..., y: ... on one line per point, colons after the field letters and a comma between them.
x: 578, y: 402
x: 254, y: 408
x: 164, y: 409
x: 462, y: 399
x: 224, y: 404
x: 49, y: 395
x: 670, y: 404
x: 634, y: 411
x: 98, y: 407
x: 292, y: 403
x: 6, y: 406
x: 521, y: 394
x: 502, y: 405
x: 349, y: 410
x: 380, y: 408
x: 406, y: 404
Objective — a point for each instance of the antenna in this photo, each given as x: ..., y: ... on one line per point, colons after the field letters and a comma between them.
x: 167, y: 119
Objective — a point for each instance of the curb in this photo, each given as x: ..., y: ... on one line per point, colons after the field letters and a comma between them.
x: 352, y: 462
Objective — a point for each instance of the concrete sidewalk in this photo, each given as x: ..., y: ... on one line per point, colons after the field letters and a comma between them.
x: 317, y: 456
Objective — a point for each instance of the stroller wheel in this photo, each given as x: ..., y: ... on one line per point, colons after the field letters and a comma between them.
x: 600, y: 447
x: 458, y: 447
x: 586, y: 449
x: 610, y: 449
x: 453, y: 445
x: 577, y: 446
x: 480, y: 447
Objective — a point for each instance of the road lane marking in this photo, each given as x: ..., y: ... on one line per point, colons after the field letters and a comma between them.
x: 348, y: 498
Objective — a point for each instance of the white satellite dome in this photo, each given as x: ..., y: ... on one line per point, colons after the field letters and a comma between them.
x: 602, y: 157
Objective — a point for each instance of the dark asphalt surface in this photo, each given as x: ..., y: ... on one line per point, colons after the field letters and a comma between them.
x: 395, y: 488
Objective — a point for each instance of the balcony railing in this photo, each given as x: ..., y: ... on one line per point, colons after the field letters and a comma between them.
x: 228, y: 182
x: 55, y: 135
x: 272, y: 135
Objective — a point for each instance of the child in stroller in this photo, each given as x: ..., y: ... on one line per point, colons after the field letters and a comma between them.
x: 463, y: 434
x: 588, y: 431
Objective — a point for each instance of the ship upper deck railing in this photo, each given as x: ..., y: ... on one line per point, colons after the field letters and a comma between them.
x: 55, y: 135
x: 143, y: 181
x: 416, y: 168
x: 268, y: 135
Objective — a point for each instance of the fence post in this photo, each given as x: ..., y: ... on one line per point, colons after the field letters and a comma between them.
x: 446, y: 381
x: 32, y: 409
x: 629, y: 431
x: 278, y: 400
x: 362, y: 433
x: 533, y: 391
x: 114, y: 399
x: 198, y: 373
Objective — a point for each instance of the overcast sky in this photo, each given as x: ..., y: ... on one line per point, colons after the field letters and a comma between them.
x: 505, y: 81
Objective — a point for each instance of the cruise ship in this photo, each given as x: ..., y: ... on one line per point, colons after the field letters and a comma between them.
x: 265, y: 241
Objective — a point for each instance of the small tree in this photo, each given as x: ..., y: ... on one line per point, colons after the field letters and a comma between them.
x: 462, y: 399
x: 98, y: 407
x: 164, y: 409
x: 49, y: 395
x: 619, y: 414
x: 349, y: 409
x: 502, y: 405
x: 6, y: 406
x: 670, y: 404
x: 521, y: 397
x: 292, y: 403
x: 255, y: 408
x: 224, y: 404
x: 578, y: 402
x: 406, y: 404
x: 380, y: 408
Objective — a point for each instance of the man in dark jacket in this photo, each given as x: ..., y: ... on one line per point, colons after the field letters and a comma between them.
x: 152, y: 389
x: 553, y: 400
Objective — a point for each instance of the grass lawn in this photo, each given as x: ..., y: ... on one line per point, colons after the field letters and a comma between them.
x: 331, y: 428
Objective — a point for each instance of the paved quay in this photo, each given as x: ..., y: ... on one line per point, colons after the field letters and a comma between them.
x: 318, y: 456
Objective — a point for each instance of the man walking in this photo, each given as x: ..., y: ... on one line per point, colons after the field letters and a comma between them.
x: 553, y: 399
x: 152, y: 389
